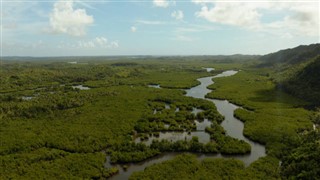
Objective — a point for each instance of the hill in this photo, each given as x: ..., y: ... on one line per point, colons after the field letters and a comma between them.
x: 292, y: 56
x: 305, y: 82
x: 296, y: 71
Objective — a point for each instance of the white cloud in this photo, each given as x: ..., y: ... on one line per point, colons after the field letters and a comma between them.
x: 83, y: 44
x: 161, y: 3
x: 133, y: 29
x: 98, y: 42
x: 164, y: 3
x: 67, y: 20
x: 287, y: 36
x: 190, y: 28
x: 114, y: 44
x: 184, y: 38
x: 300, y: 18
x: 150, y: 22
x: 102, y: 41
x: 236, y: 13
x: 178, y: 15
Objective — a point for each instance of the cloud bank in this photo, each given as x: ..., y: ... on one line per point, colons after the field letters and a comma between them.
x: 300, y: 17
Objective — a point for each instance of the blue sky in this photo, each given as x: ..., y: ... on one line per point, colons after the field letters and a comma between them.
x: 159, y: 27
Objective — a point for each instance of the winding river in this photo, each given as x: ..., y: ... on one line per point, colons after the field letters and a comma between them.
x: 232, y: 125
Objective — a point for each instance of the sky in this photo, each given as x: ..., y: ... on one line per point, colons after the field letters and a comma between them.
x: 156, y: 27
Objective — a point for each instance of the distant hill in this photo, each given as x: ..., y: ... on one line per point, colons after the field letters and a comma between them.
x: 291, y: 56
x: 305, y: 83
x: 296, y: 71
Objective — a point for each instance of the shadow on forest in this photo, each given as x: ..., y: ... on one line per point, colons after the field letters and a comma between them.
x: 273, y: 95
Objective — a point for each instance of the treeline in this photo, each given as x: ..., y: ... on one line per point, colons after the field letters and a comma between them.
x: 30, y: 75
x: 50, y: 163
x: 292, y: 56
x: 125, y: 64
x: 187, y: 166
x: 136, y: 152
x: 14, y: 106
x: 131, y: 152
x: 227, y: 146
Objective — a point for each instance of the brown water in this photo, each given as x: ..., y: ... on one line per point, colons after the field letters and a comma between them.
x: 232, y: 125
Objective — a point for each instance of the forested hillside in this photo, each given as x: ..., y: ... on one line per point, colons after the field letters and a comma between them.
x: 290, y: 56
x: 297, y: 71
x: 305, y: 83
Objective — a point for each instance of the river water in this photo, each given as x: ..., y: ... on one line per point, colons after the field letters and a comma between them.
x: 232, y: 125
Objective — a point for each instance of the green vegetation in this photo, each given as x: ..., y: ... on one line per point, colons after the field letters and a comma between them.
x: 227, y: 144
x: 292, y: 56
x: 186, y: 146
x: 52, y: 163
x: 304, y: 82
x: 186, y: 166
x: 298, y: 74
x: 50, y: 129
x: 302, y: 162
x: 271, y: 117
x: 177, y: 120
x: 296, y: 71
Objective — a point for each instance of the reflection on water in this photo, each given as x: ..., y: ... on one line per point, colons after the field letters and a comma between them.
x: 201, y: 90
x: 81, y: 87
x: 209, y: 69
x: 201, y: 125
x: 176, y: 136
x: 234, y: 128
x: 195, y: 111
x: 27, y: 98
x: 154, y: 86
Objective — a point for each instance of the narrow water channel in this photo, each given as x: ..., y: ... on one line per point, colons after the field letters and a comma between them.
x: 232, y: 125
